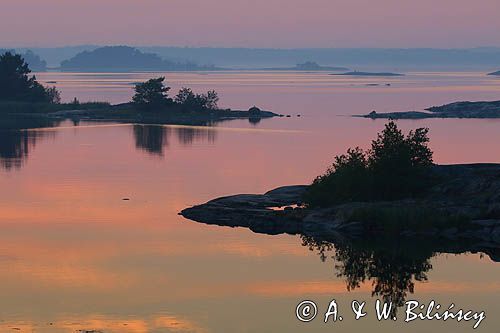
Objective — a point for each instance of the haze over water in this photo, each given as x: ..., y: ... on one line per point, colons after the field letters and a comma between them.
x: 74, y: 255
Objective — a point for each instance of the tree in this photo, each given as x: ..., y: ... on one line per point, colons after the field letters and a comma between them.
x: 395, y: 167
x: 17, y: 85
x: 397, y: 162
x: 151, y: 94
x: 185, y: 97
x: 211, y: 99
x: 196, y: 102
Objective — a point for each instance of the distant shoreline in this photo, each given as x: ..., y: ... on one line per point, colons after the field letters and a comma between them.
x: 126, y: 113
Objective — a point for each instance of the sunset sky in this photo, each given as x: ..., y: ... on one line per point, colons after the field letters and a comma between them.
x: 251, y: 23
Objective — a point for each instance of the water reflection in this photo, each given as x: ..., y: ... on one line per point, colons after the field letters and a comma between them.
x: 16, y: 143
x: 391, y: 266
x: 150, y: 138
x: 154, y: 139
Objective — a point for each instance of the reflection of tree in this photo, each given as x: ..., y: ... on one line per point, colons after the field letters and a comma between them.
x: 155, y: 138
x: 188, y: 135
x: 151, y: 138
x: 16, y: 144
x: 392, y: 267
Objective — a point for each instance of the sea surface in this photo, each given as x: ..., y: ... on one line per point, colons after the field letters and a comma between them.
x: 74, y: 255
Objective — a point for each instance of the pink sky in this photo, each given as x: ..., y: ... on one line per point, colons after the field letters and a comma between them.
x: 252, y: 23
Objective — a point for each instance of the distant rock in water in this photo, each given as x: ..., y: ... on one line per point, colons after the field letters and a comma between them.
x: 118, y: 58
x: 307, y: 66
x: 495, y: 73
x: 453, y: 110
x: 356, y: 73
x: 254, y: 110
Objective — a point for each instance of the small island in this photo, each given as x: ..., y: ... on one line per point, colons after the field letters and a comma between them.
x: 356, y: 73
x: 495, y: 73
x: 23, y: 97
x: 309, y: 66
x: 481, y: 110
x: 392, y: 191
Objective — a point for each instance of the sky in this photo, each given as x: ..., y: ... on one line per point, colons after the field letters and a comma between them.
x: 251, y: 23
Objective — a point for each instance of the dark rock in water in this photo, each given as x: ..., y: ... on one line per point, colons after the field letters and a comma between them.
x: 453, y: 110
x: 461, y: 206
x: 495, y: 73
x: 254, y: 110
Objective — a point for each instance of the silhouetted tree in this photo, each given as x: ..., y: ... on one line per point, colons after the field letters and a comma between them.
x: 197, y: 102
x: 395, y: 167
x: 151, y: 94
x: 398, y: 163
x: 17, y: 85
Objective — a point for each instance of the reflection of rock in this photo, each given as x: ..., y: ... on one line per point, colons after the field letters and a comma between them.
x: 254, y: 121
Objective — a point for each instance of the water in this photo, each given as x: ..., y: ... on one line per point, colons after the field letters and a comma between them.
x: 74, y: 255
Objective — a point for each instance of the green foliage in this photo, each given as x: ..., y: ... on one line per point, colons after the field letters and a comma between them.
x: 151, y: 94
x: 17, y: 85
x: 395, y: 167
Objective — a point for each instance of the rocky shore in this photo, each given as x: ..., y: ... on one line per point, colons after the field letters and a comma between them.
x: 484, y: 110
x: 462, y: 212
x: 126, y: 113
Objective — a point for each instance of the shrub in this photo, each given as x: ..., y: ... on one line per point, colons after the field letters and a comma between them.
x: 395, y: 167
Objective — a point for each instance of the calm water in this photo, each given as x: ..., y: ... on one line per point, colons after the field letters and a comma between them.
x: 75, y: 256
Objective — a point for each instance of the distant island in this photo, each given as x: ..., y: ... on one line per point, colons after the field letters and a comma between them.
x: 356, y: 73
x: 22, y: 97
x: 124, y: 58
x: 32, y: 59
x: 307, y: 66
x: 495, y: 73
x: 452, y: 110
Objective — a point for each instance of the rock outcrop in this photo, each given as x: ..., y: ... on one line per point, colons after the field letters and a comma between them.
x: 452, y: 110
x: 463, y: 208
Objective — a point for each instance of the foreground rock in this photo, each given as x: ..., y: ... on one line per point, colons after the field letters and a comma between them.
x: 453, y: 110
x: 462, y: 212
